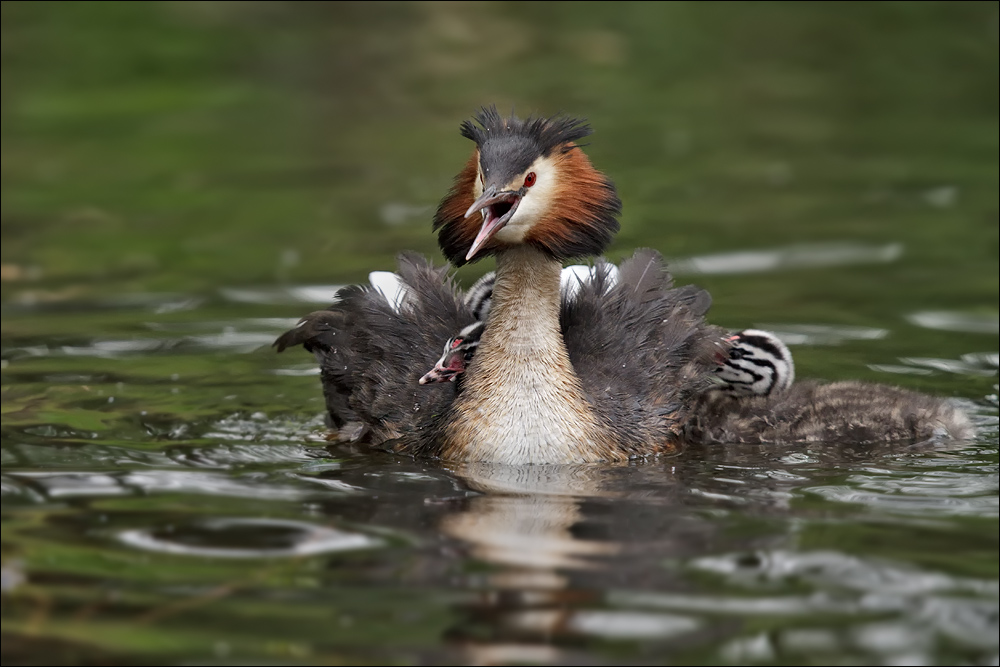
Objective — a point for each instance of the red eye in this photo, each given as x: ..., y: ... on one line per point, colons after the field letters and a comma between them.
x: 455, y: 342
x: 529, y: 180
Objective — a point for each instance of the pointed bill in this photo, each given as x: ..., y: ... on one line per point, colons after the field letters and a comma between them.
x: 497, y: 209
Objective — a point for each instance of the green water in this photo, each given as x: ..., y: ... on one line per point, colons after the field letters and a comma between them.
x: 182, y: 181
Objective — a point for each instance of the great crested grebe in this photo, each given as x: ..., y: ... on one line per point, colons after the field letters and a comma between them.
x: 608, y: 375
x: 757, y: 401
x: 624, y: 367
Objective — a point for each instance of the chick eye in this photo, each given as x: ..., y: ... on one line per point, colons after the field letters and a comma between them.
x: 529, y: 180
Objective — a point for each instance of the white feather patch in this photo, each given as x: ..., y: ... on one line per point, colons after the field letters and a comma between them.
x: 390, y: 286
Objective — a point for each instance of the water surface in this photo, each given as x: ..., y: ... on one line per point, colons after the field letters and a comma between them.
x: 182, y: 181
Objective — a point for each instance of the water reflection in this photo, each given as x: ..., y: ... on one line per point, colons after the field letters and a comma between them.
x: 552, y: 533
x: 929, y: 605
x: 59, y: 485
x: 813, y: 255
x: 959, y: 366
x: 246, y: 538
x: 979, y: 364
x: 917, y: 495
x: 983, y: 359
x: 879, y: 582
x: 320, y: 294
x: 80, y: 299
x: 556, y: 535
x: 541, y: 560
x: 523, y: 526
x: 240, y: 337
x: 821, y: 334
x: 524, y: 520
x: 953, y: 320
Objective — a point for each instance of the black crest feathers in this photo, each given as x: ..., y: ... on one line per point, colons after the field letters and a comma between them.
x: 546, y: 133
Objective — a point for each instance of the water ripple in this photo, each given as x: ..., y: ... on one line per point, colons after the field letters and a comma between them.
x: 241, y: 455
x: 788, y: 605
x: 229, y: 338
x: 83, y: 484
x: 324, y: 294
x: 953, y: 320
x: 259, y: 427
x: 958, y: 366
x: 822, y: 334
x: 900, y: 370
x: 275, y: 324
x: 630, y: 625
x: 800, y: 256
x: 970, y: 492
x: 893, y: 502
x: 927, y: 605
x: 878, y: 582
x: 248, y: 538
x: 985, y: 359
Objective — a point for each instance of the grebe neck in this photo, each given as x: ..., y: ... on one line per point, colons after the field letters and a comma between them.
x: 522, y: 402
x: 524, y: 313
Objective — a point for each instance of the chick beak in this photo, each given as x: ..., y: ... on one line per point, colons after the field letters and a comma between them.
x: 497, y: 209
x: 447, y: 369
x: 436, y: 375
x: 722, y: 355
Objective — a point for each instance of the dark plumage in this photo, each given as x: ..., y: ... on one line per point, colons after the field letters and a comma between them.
x: 614, y: 372
x: 508, y: 146
x: 847, y: 412
x: 757, y: 401
x: 372, y: 357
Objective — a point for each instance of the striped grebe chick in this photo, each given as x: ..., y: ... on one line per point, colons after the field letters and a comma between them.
x: 458, y: 352
x: 758, y: 364
x: 756, y: 401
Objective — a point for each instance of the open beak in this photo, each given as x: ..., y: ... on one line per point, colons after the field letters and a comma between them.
x: 448, y: 367
x: 438, y: 374
x: 497, y: 209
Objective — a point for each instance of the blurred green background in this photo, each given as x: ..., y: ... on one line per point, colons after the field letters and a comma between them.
x: 183, y: 145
